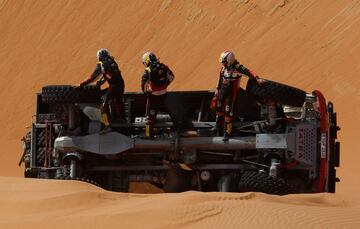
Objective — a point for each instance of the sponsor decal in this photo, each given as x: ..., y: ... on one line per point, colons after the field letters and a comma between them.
x: 140, y: 119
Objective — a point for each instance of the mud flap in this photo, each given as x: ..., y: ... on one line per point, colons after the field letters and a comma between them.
x: 177, y: 179
x: 334, y: 149
x: 175, y: 105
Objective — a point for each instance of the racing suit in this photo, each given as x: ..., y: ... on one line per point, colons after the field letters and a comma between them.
x: 154, y: 83
x: 226, y: 93
x: 110, y: 73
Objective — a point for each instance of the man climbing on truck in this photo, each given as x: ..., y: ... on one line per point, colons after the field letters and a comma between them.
x: 109, y: 69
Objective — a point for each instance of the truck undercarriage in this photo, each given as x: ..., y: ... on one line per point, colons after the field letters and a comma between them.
x: 284, y: 141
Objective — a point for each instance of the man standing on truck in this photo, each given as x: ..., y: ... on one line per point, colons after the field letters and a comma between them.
x: 155, y: 80
x: 109, y: 69
x: 226, y: 92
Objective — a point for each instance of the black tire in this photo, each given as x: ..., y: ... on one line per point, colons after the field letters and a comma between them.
x: 253, y: 181
x: 70, y: 94
x: 246, y: 107
x: 277, y: 92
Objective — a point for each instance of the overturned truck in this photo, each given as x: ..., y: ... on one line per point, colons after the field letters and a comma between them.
x: 284, y: 141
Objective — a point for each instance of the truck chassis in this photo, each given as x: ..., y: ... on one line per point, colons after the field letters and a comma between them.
x: 284, y: 142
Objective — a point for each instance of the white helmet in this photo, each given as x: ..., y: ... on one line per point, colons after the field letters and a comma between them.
x: 102, y: 54
x: 149, y: 58
x: 227, y: 58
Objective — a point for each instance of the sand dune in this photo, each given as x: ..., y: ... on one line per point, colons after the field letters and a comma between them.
x: 307, y: 44
x: 41, y: 204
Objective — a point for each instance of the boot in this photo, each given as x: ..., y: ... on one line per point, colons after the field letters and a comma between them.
x: 218, y: 128
x: 106, y: 123
x: 149, y: 130
x: 105, y: 119
x: 227, y: 131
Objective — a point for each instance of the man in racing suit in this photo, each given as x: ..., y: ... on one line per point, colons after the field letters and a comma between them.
x: 110, y: 73
x: 155, y: 80
x: 226, y: 92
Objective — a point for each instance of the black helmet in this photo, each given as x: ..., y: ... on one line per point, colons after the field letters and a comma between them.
x: 102, y: 54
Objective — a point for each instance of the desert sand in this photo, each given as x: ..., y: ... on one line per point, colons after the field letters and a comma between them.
x: 304, y: 43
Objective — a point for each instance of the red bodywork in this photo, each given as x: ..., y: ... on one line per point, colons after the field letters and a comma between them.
x: 324, y: 142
